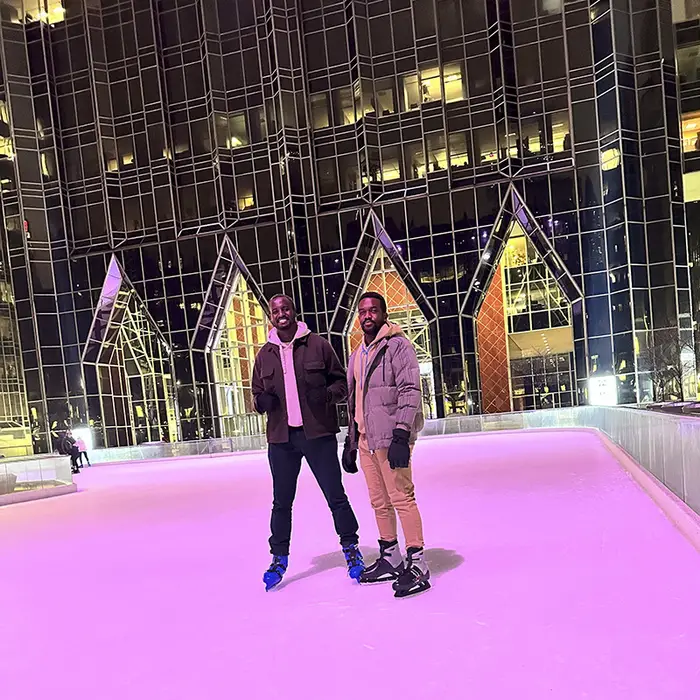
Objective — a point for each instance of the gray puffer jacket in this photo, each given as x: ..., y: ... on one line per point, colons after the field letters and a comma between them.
x: 392, y: 390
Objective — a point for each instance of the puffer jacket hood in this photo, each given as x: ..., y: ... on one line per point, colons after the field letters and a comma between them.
x: 388, y: 330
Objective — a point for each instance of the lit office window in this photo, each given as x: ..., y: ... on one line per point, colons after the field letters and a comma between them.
x: 610, y: 159
x: 51, y: 12
x: 560, y: 133
x: 459, y: 155
x: 258, y: 125
x: 411, y: 92
x: 320, y: 117
x: 437, y: 153
x: 238, y: 130
x: 349, y: 173
x: 551, y: 7
x: 683, y: 10
x: 430, y: 85
x: 386, y: 97
x: 690, y: 124
x: 368, y: 104
x: 391, y: 163
x: 454, y: 82
x: 246, y: 192
x: 344, y: 106
x: 415, y: 160
x: 6, y: 149
x: 485, y: 144
x: 532, y: 137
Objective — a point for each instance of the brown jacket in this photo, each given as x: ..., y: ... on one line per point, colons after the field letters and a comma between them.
x: 320, y: 381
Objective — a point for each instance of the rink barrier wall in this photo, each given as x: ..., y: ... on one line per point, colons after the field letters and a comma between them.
x: 38, y: 476
x: 686, y: 520
x: 168, y: 450
x: 666, y: 445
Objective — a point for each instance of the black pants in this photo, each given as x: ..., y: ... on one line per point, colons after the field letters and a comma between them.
x: 285, y: 463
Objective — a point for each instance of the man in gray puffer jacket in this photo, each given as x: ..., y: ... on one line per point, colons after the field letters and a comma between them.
x: 385, y: 403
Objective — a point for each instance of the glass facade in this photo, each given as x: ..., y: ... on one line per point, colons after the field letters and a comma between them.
x: 678, y: 372
x: 198, y: 143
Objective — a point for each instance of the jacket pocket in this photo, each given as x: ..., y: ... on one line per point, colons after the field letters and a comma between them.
x: 315, y: 373
x: 268, y: 378
x: 387, y: 396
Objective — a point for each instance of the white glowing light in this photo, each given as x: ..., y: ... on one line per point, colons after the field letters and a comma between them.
x: 83, y: 432
x: 602, y: 391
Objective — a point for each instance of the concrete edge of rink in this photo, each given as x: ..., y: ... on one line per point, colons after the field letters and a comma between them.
x: 37, y: 494
x: 681, y: 515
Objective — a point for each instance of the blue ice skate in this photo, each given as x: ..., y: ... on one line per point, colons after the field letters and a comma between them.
x: 273, y: 576
x: 355, y: 562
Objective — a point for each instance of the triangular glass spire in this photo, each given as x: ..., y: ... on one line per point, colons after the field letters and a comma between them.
x: 373, y: 238
x: 513, y: 209
x: 216, y: 301
x: 524, y: 332
x: 384, y: 279
x: 128, y: 357
x: 231, y: 329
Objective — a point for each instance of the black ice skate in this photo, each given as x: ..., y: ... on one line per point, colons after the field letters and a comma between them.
x: 387, y: 567
x: 415, y: 578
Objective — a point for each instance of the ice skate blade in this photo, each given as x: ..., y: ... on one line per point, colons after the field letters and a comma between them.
x: 421, y: 588
x: 379, y: 582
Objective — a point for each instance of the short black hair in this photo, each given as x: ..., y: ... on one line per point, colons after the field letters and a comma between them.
x: 286, y: 298
x: 378, y: 297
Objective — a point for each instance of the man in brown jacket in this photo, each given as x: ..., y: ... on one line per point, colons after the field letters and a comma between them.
x: 385, y: 407
x: 297, y: 382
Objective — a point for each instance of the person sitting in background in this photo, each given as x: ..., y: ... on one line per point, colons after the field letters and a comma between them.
x: 82, y: 451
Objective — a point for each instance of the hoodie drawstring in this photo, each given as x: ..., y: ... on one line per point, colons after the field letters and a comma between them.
x: 364, y: 354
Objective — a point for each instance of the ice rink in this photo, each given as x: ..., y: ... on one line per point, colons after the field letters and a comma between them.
x: 554, y: 577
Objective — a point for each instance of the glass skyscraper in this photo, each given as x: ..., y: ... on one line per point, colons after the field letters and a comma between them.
x: 509, y: 173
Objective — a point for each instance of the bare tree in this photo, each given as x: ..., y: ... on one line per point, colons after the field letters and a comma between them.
x: 668, y: 361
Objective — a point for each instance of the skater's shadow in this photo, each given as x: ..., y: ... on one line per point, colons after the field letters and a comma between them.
x: 324, y: 562
x: 440, y: 561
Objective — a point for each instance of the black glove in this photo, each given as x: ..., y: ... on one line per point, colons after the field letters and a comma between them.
x: 268, y: 402
x: 349, y: 460
x: 399, y: 450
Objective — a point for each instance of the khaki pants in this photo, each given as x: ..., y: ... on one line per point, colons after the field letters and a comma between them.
x: 391, y: 491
